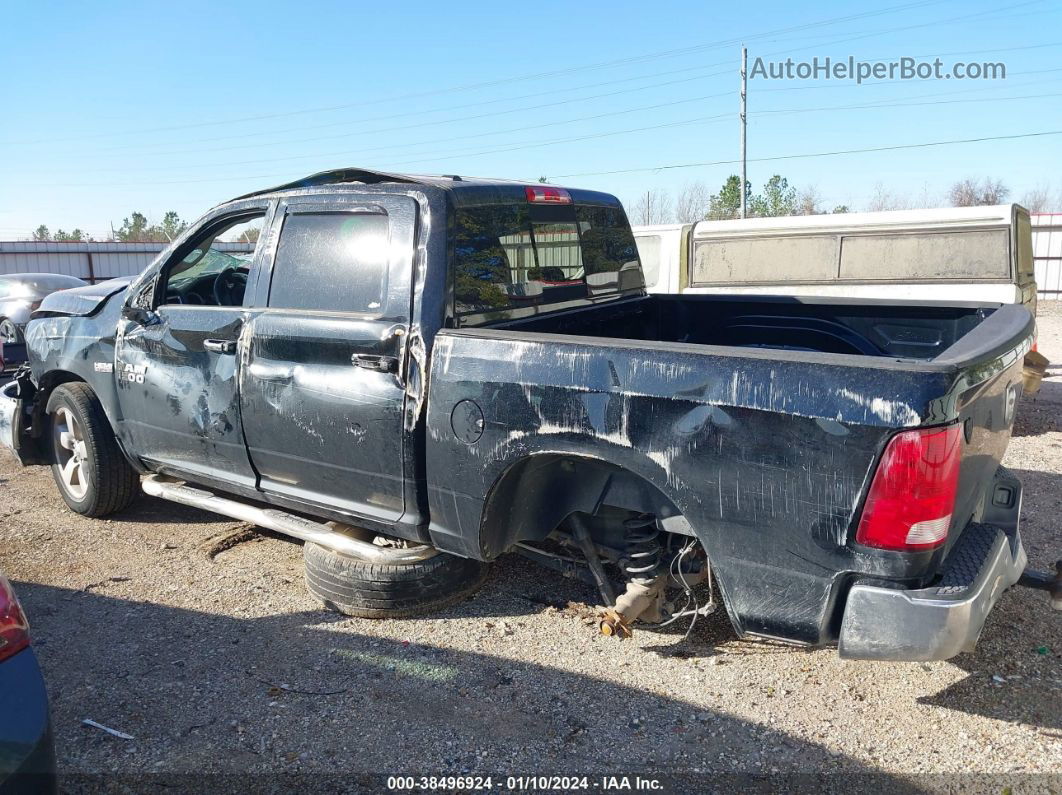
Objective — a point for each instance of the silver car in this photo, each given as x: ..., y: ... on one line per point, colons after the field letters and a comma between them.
x: 21, y: 293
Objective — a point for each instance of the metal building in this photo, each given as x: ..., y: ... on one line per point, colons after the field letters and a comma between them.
x: 1047, y: 255
x: 92, y: 262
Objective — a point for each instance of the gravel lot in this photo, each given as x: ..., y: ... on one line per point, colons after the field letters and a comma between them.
x: 196, y: 636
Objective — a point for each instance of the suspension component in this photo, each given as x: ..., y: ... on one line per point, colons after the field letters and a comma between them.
x: 642, y: 560
x: 644, y: 595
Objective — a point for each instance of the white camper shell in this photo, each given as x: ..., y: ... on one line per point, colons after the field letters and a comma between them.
x: 981, y: 254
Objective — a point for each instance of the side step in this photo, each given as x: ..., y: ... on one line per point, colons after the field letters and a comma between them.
x: 327, y: 535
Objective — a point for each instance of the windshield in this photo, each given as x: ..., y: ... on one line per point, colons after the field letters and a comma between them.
x: 512, y: 257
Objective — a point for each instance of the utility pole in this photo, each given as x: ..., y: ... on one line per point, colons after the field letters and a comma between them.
x: 744, y: 92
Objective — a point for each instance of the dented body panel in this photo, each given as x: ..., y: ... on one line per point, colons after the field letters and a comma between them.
x: 766, y: 457
x: 753, y: 424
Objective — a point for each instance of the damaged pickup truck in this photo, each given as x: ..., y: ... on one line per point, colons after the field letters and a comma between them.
x: 415, y: 375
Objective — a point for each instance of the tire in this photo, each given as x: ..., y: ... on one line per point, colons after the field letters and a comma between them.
x: 9, y: 332
x: 80, y: 431
x: 356, y: 587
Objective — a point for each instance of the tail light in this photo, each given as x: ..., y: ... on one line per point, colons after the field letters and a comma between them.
x: 14, y: 631
x: 544, y: 195
x: 912, y: 496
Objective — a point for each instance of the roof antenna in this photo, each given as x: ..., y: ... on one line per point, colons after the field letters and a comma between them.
x: 454, y: 177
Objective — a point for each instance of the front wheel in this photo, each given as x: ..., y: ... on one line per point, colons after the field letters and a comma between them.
x: 88, y: 466
x: 9, y: 332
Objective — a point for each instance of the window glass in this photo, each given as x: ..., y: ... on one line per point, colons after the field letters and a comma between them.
x: 803, y: 258
x: 214, y: 272
x: 610, y: 255
x: 970, y: 254
x: 649, y: 254
x: 331, y: 261
x: 509, y: 256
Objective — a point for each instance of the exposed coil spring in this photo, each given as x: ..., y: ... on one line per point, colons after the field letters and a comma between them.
x: 643, y: 552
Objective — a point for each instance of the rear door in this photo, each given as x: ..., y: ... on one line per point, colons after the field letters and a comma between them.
x: 322, y: 388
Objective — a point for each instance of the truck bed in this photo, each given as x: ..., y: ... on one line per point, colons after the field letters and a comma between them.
x: 758, y: 421
x: 879, y: 328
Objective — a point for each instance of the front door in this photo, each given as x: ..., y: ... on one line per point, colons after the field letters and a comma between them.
x: 176, y: 360
x: 322, y: 389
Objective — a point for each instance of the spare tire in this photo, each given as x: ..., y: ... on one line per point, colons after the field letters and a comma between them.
x: 357, y: 587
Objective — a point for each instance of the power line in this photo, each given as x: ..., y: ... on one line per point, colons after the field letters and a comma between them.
x: 518, y: 78
x: 803, y: 155
x: 918, y: 101
x: 243, y: 145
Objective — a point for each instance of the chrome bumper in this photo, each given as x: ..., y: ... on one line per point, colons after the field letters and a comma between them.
x: 9, y: 407
x: 935, y: 623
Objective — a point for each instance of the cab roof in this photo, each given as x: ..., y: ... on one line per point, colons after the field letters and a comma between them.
x: 452, y: 183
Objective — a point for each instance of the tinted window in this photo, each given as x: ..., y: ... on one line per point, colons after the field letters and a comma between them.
x: 331, y: 261
x: 514, y: 256
x: 609, y: 253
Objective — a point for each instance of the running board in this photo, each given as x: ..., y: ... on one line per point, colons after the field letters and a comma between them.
x: 326, y: 535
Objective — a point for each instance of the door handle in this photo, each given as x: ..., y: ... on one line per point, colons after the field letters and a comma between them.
x: 220, y: 346
x: 381, y: 364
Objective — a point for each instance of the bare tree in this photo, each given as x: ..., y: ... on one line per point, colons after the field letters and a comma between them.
x: 884, y: 199
x: 651, y: 207
x: 692, y: 203
x: 1037, y: 200
x: 972, y: 192
x: 809, y: 202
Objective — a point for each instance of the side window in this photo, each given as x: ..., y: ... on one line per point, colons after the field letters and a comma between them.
x: 331, y: 261
x: 214, y: 272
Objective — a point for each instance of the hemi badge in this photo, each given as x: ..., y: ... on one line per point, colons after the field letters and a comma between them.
x: 103, y: 367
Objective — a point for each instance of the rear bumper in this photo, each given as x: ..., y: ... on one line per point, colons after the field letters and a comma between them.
x: 883, y: 623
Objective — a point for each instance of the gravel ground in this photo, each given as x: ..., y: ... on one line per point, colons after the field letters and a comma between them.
x: 197, y: 637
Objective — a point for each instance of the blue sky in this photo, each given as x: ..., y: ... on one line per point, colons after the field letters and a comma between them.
x: 115, y: 107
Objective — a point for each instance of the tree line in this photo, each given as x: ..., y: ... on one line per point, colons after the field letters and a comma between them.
x: 696, y: 202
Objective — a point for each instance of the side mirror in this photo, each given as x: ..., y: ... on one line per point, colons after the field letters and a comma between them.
x: 139, y: 315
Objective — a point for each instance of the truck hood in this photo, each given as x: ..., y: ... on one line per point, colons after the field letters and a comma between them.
x: 82, y: 300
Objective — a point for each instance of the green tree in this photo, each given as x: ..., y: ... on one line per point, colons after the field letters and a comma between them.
x: 778, y: 198
x: 42, y: 233
x: 170, y: 228
x: 133, y: 229
x: 137, y: 229
x: 726, y: 204
x: 841, y: 208
x: 76, y: 236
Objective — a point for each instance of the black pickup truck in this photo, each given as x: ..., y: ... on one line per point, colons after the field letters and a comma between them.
x: 416, y: 375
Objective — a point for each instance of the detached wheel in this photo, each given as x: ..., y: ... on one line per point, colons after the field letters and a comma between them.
x: 88, y: 466
x: 356, y: 587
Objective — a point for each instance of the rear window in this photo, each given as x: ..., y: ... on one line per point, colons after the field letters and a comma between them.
x: 510, y: 257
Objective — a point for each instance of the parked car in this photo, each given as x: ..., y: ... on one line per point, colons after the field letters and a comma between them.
x: 27, y: 751
x: 21, y: 293
x: 377, y: 380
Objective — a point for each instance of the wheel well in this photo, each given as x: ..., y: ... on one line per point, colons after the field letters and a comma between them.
x: 533, y: 496
x: 48, y: 383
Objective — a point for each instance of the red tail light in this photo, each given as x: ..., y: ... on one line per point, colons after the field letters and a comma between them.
x: 14, y: 631
x: 544, y: 195
x: 912, y: 495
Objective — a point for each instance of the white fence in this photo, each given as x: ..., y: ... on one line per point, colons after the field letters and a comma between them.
x: 1047, y: 255
x: 92, y: 262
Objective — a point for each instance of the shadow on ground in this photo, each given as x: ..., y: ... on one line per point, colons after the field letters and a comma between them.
x: 289, y: 695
